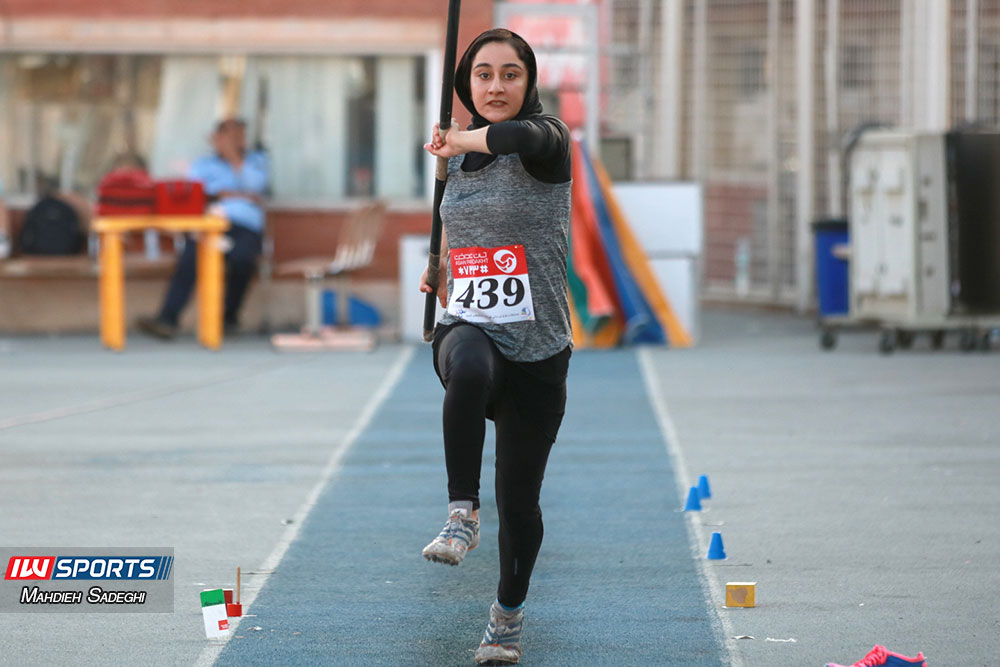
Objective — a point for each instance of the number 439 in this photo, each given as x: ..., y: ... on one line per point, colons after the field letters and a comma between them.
x: 512, y: 288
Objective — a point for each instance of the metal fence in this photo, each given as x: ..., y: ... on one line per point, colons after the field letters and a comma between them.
x: 975, y: 61
x: 769, y: 94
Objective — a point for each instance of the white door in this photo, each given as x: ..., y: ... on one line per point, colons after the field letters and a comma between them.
x: 896, y: 221
x: 864, y: 230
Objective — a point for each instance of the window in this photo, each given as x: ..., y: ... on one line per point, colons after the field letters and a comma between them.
x: 65, y: 118
x: 335, y: 127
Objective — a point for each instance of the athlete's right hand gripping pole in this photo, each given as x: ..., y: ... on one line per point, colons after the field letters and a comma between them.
x: 441, y: 172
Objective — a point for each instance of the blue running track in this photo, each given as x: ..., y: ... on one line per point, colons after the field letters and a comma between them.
x: 615, y: 583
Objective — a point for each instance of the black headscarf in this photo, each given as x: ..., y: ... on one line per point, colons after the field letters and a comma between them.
x: 531, y: 106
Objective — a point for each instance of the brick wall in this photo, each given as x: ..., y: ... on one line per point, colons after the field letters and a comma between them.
x: 477, y: 15
x: 473, y: 12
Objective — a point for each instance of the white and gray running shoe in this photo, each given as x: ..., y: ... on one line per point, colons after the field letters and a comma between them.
x: 459, y: 536
x: 501, y: 643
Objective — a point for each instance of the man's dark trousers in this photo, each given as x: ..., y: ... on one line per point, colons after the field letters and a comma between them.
x: 241, y: 262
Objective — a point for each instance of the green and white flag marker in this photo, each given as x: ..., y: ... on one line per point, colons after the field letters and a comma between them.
x: 213, y: 610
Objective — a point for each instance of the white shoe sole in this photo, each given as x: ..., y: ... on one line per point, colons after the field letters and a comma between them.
x: 497, y: 655
x: 442, y: 553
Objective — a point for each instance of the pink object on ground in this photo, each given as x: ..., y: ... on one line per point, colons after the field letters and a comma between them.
x: 881, y: 656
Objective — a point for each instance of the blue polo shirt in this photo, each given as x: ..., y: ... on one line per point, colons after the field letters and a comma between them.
x: 216, y: 175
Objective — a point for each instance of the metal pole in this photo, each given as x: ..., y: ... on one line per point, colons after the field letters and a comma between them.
x: 671, y: 77
x: 700, y: 150
x: 907, y: 99
x: 937, y: 24
x: 593, y: 124
x: 774, y: 164
x: 971, y: 59
x: 805, y: 28
x: 831, y: 62
x: 433, y: 66
x: 644, y: 155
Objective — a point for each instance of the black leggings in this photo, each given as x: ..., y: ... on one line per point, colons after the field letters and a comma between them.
x: 526, y: 410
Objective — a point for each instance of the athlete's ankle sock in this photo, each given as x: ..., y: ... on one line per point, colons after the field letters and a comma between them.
x: 460, y: 505
x: 506, y: 608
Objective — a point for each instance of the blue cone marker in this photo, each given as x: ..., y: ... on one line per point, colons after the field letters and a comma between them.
x: 693, y: 503
x: 703, y: 487
x: 715, y: 549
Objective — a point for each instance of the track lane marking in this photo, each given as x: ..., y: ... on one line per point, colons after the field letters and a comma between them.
x: 254, y: 584
x: 711, y: 588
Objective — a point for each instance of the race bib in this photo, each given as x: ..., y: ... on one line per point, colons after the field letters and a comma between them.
x: 490, y: 285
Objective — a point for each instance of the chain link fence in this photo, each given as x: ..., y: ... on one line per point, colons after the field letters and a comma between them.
x: 975, y: 61
x: 748, y: 122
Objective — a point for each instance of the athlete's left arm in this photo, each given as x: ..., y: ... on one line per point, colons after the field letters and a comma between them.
x: 535, y: 138
x: 542, y: 142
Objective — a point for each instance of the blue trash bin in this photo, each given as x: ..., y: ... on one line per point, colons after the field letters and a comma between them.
x: 831, y: 272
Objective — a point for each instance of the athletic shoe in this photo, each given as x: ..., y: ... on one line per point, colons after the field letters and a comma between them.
x: 501, y: 643
x: 157, y: 328
x: 880, y: 656
x: 459, y: 536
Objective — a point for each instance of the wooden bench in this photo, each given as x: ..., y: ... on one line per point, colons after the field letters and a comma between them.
x: 59, y: 294
x: 81, y: 266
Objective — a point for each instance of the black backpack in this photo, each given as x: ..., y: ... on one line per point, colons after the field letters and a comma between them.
x: 51, y: 227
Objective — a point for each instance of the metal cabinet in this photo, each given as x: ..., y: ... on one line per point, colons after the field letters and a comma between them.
x: 906, y: 227
x: 898, y: 227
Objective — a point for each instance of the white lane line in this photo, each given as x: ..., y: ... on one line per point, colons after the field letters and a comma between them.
x: 711, y: 587
x: 255, y: 583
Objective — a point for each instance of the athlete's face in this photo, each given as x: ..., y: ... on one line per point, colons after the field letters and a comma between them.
x: 499, y: 82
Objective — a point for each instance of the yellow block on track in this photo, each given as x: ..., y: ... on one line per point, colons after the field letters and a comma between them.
x: 741, y: 594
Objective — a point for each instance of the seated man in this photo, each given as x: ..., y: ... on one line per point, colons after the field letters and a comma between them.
x: 236, y: 181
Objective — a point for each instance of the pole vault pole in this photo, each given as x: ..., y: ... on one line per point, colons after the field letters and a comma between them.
x: 441, y: 172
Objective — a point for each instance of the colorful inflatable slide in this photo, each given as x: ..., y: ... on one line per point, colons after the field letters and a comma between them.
x: 614, y: 296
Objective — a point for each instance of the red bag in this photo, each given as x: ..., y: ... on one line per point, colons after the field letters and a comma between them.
x: 180, y: 198
x: 126, y: 192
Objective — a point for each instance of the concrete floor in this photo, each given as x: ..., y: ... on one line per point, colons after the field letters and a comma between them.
x: 858, y: 490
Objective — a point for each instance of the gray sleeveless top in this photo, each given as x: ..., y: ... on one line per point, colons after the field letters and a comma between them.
x: 502, y: 205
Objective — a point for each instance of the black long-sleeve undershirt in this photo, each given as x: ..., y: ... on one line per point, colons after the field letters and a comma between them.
x: 541, y: 142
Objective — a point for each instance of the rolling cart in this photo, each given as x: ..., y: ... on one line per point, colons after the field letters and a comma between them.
x: 924, y: 239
